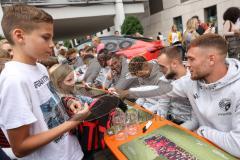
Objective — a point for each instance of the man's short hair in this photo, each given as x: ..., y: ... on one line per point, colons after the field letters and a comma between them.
x: 88, y: 56
x: 71, y: 51
x: 103, y: 56
x: 136, y: 64
x: 24, y: 17
x: 172, y: 52
x: 88, y: 49
x: 211, y: 40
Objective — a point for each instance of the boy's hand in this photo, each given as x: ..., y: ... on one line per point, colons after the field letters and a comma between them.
x: 81, y: 113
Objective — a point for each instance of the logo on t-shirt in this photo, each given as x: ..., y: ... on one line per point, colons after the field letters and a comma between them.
x: 195, y: 95
x: 40, y: 82
x: 225, y: 104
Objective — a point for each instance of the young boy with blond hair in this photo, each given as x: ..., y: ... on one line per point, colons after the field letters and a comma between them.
x: 31, y: 113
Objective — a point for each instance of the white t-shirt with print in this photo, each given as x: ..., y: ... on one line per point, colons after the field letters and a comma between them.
x: 27, y: 97
x: 174, y: 37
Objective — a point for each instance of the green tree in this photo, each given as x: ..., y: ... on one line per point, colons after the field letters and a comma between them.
x: 131, y: 25
x: 67, y: 44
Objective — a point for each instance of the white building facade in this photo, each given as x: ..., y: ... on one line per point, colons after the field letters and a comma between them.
x: 162, y: 14
x: 74, y: 18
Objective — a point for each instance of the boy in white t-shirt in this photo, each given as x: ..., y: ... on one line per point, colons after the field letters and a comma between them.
x: 31, y: 113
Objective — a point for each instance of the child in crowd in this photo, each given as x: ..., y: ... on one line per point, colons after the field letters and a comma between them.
x: 31, y: 113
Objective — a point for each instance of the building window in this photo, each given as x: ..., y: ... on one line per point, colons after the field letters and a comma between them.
x: 155, y: 6
x: 178, y: 22
x: 210, y: 15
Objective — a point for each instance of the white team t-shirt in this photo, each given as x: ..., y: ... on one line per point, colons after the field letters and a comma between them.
x: 27, y: 97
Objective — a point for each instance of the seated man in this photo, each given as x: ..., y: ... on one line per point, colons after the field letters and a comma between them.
x: 213, y: 91
x: 148, y: 73
x: 94, y: 73
x: 73, y: 58
x: 179, y: 109
x: 118, y: 76
x: 88, y: 50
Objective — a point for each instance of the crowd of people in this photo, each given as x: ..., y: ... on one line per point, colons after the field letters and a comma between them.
x: 200, y: 95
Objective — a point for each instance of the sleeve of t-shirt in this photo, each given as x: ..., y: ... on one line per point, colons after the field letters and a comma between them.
x: 15, y: 103
x: 163, y: 105
x: 92, y: 72
x: 191, y: 124
x: 180, y: 87
x: 159, y: 90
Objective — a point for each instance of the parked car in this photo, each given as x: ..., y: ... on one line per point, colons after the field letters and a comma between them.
x: 130, y: 46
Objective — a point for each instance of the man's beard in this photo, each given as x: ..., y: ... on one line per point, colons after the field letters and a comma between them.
x: 146, y: 75
x: 170, y: 75
x: 199, y: 75
x: 117, y: 70
x: 197, y: 78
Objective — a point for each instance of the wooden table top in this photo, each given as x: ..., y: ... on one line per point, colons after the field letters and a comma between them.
x: 157, y: 122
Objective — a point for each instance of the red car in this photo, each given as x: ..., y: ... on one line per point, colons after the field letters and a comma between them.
x: 130, y: 46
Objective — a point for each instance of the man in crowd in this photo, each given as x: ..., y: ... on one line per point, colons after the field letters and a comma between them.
x: 179, y: 108
x: 148, y: 73
x: 73, y: 58
x: 118, y: 76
